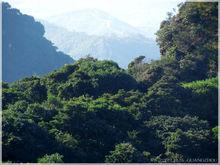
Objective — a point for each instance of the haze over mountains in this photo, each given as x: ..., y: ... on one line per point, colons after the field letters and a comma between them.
x: 32, y: 49
x: 93, y: 22
x: 100, y: 35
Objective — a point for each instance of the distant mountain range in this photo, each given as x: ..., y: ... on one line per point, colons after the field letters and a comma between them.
x: 93, y: 22
x: 99, y: 34
x: 26, y: 51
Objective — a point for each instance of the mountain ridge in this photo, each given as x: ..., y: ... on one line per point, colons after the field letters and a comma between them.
x: 87, y: 21
x: 25, y: 51
x: 113, y: 45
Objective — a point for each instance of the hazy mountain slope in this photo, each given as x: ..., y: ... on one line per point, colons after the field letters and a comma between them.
x: 93, y: 22
x: 25, y: 51
x: 87, y: 32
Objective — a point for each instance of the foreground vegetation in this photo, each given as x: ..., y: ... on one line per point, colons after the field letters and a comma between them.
x: 94, y: 111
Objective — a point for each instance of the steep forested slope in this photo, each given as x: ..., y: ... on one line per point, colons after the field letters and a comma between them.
x: 188, y: 44
x: 25, y: 51
x: 94, y: 111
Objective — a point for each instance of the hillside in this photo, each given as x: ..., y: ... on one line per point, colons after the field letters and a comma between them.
x: 25, y: 51
x: 93, y: 111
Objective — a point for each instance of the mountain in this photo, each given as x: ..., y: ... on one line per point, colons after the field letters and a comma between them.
x: 97, y: 33
x: 93, y: 22
x: 93, y: 111
x: 26, y: 51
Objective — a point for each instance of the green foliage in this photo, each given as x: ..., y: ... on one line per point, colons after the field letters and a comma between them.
x: 38, y: 113
x: 19, y: 135
x: 166, y: 97
x: 192, y: 31
x: 203, y: 100
x: 32, y: 88
x: 215, y: 132
x: 202, y: 86
x: 65, y: 138
x: 188, y: 43
x: 186, y: 136
x: 53, y: 158
x: 85, y: 126
x: 89, y: 77
x: 92, y: 111
x: 10, y: 96
x: 123, y: 153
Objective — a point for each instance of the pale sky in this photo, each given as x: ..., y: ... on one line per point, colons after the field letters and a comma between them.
x: 147, y: 13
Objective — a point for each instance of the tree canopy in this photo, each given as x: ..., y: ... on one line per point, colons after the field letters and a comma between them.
x: 92, y: 111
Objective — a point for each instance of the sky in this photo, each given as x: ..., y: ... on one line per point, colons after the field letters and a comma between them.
x: 138, y: 13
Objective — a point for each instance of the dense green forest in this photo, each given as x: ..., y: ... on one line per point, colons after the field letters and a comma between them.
x: 25, y: 50
x: 94, y: 111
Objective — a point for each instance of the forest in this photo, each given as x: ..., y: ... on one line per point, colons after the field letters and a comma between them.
x: 93, y: 111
